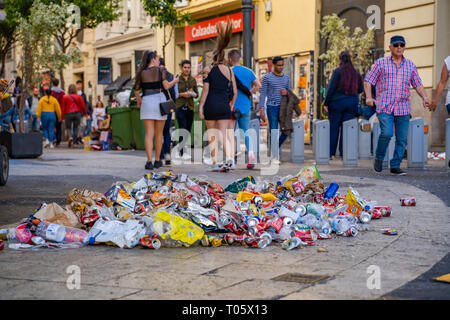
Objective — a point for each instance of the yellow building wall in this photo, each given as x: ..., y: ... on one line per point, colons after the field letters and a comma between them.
x: 415, y: 20
x: 290, y: 29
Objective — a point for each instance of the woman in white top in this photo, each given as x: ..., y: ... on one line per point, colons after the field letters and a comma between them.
x: 444, y: 78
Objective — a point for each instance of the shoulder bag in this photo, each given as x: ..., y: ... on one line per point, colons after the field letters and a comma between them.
x: 166, y: 107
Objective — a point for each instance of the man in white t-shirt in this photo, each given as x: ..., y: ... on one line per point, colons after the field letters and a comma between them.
x: 444, y: 79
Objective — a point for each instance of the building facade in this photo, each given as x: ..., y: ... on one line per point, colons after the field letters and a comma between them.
x: 277, y: 30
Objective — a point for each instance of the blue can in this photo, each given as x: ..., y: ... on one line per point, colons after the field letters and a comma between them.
x: 331, y: 190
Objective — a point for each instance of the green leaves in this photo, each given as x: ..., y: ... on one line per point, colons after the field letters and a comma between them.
x: 165, y: 14
x: 359, y: 44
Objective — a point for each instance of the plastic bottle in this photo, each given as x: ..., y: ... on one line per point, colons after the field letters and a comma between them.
x: 59, y: 233
x: 8, y: 234
x: 285, y: 212
x: 345, y: 226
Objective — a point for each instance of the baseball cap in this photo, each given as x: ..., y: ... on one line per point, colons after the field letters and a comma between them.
x: 398, y: 39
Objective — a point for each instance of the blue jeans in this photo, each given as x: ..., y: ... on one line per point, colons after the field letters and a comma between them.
x: 243, y: 123
x: 340, y: 111
x: 273, y: 114
x: 387, y: 124
x: 87, y: 130
x: 48, y: 120
x: 35, y: 123
x: 6, y: 120
x: 166, y: 136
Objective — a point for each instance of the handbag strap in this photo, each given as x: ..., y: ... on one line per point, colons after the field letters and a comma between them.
x: 160, y: 84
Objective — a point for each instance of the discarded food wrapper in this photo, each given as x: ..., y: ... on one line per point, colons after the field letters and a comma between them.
x: 85, y: 196
x: 390, y: 232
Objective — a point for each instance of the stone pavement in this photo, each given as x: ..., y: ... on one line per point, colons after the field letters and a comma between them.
x: 234, y: 273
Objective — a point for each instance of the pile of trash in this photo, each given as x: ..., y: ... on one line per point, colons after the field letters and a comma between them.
x: 164, y: 209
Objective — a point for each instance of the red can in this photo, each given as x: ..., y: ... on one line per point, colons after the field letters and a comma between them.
x: 385, y: 211
x: 150, y: 242
x: 2, y: 245
x: 408, y: 202
x: 376, y: 214
x: 256, y: 242
x: 275, y: 224
x: 306, y: 235
x: 262, y: 226
x: 231, y: 238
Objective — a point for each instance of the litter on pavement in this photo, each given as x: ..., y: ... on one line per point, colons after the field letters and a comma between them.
x: 164, y: 209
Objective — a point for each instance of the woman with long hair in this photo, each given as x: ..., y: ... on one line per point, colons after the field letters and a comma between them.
x: 342, y: 100
x: 152, y: 79
x: 49, y: 112
x: 218, y: 98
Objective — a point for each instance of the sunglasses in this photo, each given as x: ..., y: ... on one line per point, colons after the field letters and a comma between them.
x: 399, y: 45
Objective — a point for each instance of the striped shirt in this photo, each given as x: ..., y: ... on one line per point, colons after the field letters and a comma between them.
x: 392, y: 84
x: 271, y: 86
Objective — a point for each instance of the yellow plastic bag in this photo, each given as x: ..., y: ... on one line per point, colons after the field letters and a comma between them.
x: 180, y: 230
x: 246, y: 196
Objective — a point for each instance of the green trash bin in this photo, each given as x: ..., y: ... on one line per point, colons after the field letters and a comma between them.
x: 137, y: 128
x: 121, y: 126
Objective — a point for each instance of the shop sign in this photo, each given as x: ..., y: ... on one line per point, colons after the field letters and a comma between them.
x: 207, y: 29
x: 104, y: 70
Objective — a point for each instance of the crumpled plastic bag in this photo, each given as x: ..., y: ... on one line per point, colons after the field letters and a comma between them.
x: 122, y: 234
x: 176, y: 230
x: 53, y: 213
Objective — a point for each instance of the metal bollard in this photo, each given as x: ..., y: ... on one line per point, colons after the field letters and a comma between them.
x: 426, y: 128
x: 350, y: 143
x: 322, y: 142
x: 447, y: 144
x: 364, y: 139
x: 298, y: 142
x: 415, y: 144
x: 254, y: 138
x: 314, y: 140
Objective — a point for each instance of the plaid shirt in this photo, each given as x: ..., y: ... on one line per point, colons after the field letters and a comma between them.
x: 393, y: 85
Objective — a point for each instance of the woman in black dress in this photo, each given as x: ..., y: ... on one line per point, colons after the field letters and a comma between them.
x: 218, y: 97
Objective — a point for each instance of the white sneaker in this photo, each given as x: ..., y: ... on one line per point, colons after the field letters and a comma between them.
x: 52, y: 146
x: 186, y: 156
x: 208, y: 161
x: 46, y: 143
x: 275, y: 161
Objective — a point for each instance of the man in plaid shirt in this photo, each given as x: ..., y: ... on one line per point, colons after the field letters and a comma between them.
x: 392, y: 76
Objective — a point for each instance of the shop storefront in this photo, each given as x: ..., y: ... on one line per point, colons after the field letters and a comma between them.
x: 200, y: 39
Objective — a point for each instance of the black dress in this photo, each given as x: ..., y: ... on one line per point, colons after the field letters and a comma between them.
x: 220, y: 94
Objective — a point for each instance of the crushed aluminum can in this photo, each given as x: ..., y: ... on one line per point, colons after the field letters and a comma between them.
x: 243, y: 206
x: 351, y: 232
x: 292, y: 243
x: 300, y: 209
x: 257, y: 200
x: 251, y: 221
x: 204, y: 200
x: 150, y: 242
x: 143, y: 206
x: 365, y: 217
x: 254, y: 242
x: 376, y: 214
x: 140, y: 195
x: 287, y: 221
x: 385, y: 211
x: 2, y: 245
x: 275, y: 224
x: 231, y: 238
x: 266, y: 236
x: 408, y: 202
